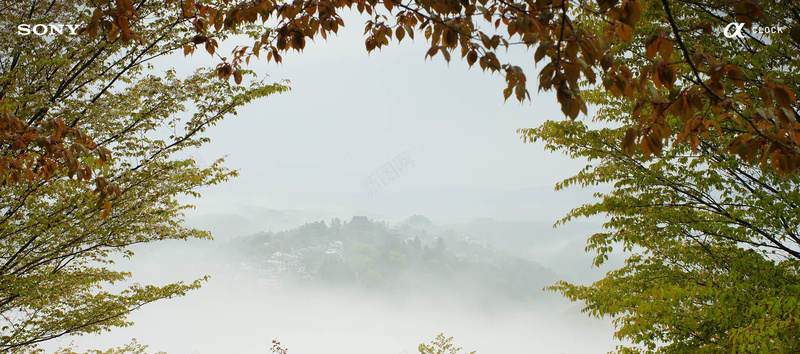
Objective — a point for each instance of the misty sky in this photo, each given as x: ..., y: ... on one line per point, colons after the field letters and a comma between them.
x: 350, y: 113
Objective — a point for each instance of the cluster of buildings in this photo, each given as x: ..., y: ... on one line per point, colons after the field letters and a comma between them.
x: 293, y: 262
x: 297, y: 261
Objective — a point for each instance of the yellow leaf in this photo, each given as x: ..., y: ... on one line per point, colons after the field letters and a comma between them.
x: 665, y: 48
x: 106, y: 209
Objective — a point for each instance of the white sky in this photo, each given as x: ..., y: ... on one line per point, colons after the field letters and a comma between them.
x: 349, y: 113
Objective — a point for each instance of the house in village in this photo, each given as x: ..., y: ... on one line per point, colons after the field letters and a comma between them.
x: 481, y: 242
x: 335, y: 250
x: 285, y: 263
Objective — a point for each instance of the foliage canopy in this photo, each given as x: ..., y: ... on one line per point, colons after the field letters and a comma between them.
x: 713, y: 245
x: 740, y: 88
x: 89, y: 166
x: 714, y: 240
x: 688, y: 65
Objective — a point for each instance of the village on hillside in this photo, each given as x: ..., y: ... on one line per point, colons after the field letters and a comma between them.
x: 372, y: 254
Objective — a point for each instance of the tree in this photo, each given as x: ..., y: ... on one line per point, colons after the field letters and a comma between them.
x: 277, y: 349
x: 131, y: 348
x: 440, y: 345
x: 713, y: 236
x: 92, y: 137
x: 714, y: 242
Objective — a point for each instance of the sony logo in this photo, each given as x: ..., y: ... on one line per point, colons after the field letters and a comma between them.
x: 42, y: 30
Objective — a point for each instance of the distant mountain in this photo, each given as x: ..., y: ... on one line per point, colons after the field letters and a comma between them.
x: 561, y: 249
x: 246, y: 220
x: 418, y: 222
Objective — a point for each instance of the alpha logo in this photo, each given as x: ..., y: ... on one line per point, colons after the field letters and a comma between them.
x: 734, y: 30
x: 729, y: 33
x: 26, y: 29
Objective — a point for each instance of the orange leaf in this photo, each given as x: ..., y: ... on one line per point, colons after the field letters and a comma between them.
x: 624, y: 32
x: 784, y: 96
x: 472, y: 57
x: 653, y: 46
x: 633, y: 11
x: 736, y: 76
x: 432, y: 52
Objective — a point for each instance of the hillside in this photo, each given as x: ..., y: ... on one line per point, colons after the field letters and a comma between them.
x: 372, y: 255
